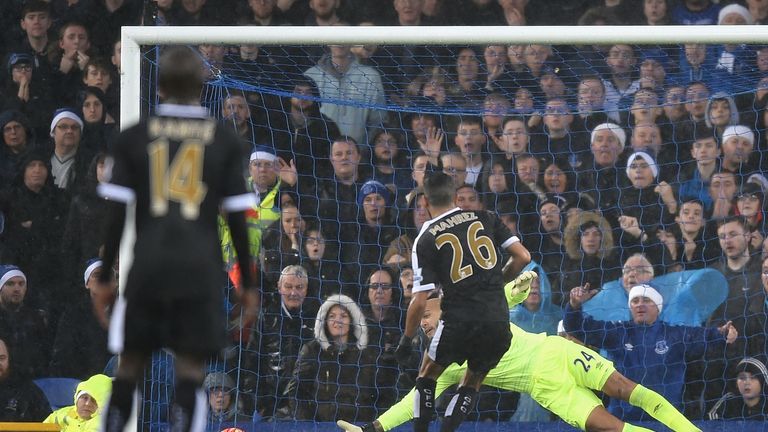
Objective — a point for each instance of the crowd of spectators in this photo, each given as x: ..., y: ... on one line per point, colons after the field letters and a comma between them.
x: 613, y: 163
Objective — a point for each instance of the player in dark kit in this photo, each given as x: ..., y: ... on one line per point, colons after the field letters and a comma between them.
x: 180, y: 168
x: 459, y: 251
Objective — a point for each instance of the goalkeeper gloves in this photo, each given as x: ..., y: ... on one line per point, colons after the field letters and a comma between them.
x: 517, y: 290
x: 349, y: 427
x: 403, y: 351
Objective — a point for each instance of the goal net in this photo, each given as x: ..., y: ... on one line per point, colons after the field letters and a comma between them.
x: 628, y: 160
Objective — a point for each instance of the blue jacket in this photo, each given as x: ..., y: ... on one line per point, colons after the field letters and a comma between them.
x: 653, y: 355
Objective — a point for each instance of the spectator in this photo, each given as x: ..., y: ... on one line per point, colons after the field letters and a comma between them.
x: 622, y: 83
x: 385, y: 321
x: 749, y: 403
x: 99, y: 126
x: 335, y: 375
x: 656, y: 12
x: 390, y: 166
x: 471, y: 141
x: 282, y: 242
x: 98, y: 73
x: 671, y: 121
x: 69, y: 60
x: 18, y: 139
x: 721, y: 112
x: 610, y: 304
x: 690, y: 242
x: 468, y: 199
x: 336, y: 195
x: 324, y: 272
x: 695, y: 179
x: 758, y: 10
x: 21, y: 400
x: 69, y: 161
x: 600, y: 174
x: 468, y: 83
x: 22, y: 327
x: 698, y: 62
x: 497, y: 183
x: 695, y: 12
x: 722, y: 192
x: 555, y: 137
x: 411, y: 220
x: 660, y: 351
x: 222, y: 404
x: 589, y: 247
x: 750, y: 203
x: 546, y: 244
x: 35, y: 211
x: 738, y: 146
x: 591, y: 99
x: 91, y: 397
x: 80, y: 347
x: 312, y: 132
x: 339, y: 76
x: 269, y: 177
x: 83, y: 232
x: 285, y: 325
x: 35, y: 23
x: 364, y: 245
x: 25, y: 93
x: 455, y: 165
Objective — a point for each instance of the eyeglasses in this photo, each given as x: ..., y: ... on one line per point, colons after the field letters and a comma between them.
x: 765, y: 273
x: 317, y: 240
x: 22, y: 67
x: 451, y: 170
x: 375, y: 286
x: 638, y: 269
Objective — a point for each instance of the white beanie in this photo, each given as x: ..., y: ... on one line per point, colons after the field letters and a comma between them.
x: 645, y: 291
x: 646, y: 157
x: 62, y: 114
x: 616, y: 129
x: 91, y: 265
x: 739, y: 131
x: 10, y: 271
x: 737, y: 9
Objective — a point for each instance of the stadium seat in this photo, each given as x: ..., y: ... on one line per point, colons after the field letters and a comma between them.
x: 60, y: 392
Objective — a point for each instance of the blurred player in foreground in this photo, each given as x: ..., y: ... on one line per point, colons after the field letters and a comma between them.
x: 559, y: 374
x: 180, y: 168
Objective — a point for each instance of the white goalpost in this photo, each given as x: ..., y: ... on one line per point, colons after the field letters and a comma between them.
x: 133, y: 38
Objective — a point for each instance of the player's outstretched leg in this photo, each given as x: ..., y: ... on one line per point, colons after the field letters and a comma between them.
x: 461, y: 404
x: 423, y: 403
x: 620, y: 387
x: 600, y: 420
x: 189, y: 410
x: 131, y: 367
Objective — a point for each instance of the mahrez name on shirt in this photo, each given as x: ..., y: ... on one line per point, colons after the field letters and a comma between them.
x: 453, y: 221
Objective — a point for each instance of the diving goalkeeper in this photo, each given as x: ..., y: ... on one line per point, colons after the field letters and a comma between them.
x: 559, y: 374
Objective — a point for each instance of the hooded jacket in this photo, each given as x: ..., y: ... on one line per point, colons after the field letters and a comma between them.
x: 98, y: 387
x: 543, y: 320
x: 332, y: 381
x: 9, y: 161
x: 734, y: 119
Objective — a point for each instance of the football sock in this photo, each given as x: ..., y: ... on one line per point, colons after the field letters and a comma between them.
x: 660, y: 409
x: 632, y: 428
x: 423, y: 404
x: 461, y: 404
x: 120, y: 405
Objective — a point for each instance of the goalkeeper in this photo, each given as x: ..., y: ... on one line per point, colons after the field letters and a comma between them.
x: 559, y: 374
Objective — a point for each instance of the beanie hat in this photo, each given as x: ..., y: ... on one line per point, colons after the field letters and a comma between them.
x: 737, y: 9
x: 9, y: 271
x: 646, y: 157
x: 90, y: 266
x: 370, y: 187
x: 616, y: 129
x: 262, y: 152
x: 218, y: 380
x: 646, y: 291
x: 16, y: 58
x: 753, y: 366
x: 65, y: 113
x: 739, y: 131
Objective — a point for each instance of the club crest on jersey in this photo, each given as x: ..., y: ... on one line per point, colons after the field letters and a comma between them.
x: 661, y: 347
x: 629, y: 347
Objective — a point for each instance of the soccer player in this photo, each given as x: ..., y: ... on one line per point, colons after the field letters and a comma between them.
x: 559, y: 374
x: 458, y: 251
x: 179, y: 167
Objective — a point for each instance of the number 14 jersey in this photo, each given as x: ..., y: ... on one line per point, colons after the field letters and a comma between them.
x: 181, y: 168
x: 461, y: 251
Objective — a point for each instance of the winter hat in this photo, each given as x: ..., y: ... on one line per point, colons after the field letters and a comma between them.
x: 560, y: 201
x: 759, y: 180
x: 646, y: 157
x: 755, y: 367
x: 739, y: 131
x: 90, y: 266
x: 65, y: 113
x: 737, y: 9
x: 9, y: 271
x: 616, y: 129
x: 16, y: 58
x: 372, y: 186
x: 262, y: 152
x: 218, y: 380
x: 646, y: 291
